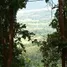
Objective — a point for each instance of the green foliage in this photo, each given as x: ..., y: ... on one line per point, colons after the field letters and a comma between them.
x: 18, y: 47
x: 54, y: 24
x: 51, y: 49
x: 36, y: 42
x: 46, y: 1
x: 19, y: 32
x: 33, y: 56
x: 50, y: 54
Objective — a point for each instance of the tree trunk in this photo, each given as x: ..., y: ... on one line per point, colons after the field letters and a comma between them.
x: 11, y: 22
x: 4, y: 53
x: 63, y: 58
x: 61, y: 19
x: 61, y: 25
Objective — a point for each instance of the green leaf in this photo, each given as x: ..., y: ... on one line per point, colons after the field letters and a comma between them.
x: 46, y: 1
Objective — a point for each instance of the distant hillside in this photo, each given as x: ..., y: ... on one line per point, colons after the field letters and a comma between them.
x: 37, y: 21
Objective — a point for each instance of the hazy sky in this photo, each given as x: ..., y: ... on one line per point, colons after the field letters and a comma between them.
x: 36, y: 16
x: 38, y: 4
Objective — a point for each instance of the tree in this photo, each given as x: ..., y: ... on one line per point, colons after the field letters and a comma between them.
x: 58, y: 38
x: 8, y: 10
